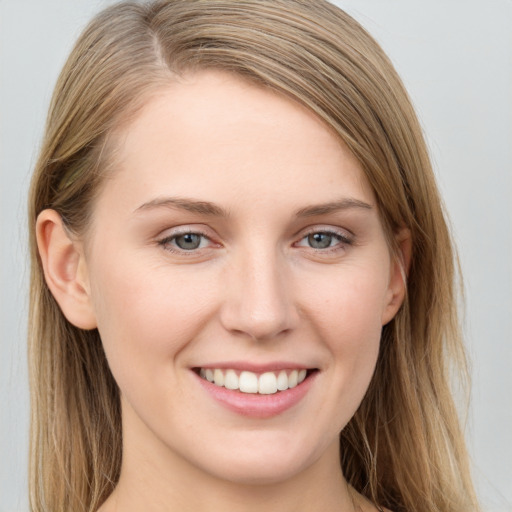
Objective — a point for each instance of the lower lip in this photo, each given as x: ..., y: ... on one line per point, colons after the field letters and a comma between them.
x: 255, y: 405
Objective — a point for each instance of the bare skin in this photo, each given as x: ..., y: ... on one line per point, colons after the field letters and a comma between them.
x: 237, y: 232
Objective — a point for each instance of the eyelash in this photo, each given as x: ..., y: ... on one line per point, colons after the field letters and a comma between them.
x: 168, y: 240
x: 343, y: 240
x: 168, y: 243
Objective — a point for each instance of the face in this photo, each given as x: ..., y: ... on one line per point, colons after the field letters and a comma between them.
x: 237, y: 241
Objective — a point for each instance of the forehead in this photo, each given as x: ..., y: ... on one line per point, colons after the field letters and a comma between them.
x: 209, y: 133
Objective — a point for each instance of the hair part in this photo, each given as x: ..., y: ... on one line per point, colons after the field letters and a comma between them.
x: 404, y: 448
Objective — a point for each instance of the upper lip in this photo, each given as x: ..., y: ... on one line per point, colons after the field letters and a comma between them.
x: 256, y: 368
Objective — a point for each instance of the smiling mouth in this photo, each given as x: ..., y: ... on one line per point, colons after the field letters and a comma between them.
x: 267, y: 383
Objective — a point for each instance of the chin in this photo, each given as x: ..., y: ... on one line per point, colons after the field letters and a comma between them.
x: 262, y: 461
x: 260, y: 473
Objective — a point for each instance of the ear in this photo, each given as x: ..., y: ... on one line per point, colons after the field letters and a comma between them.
x: 65, y: 270
x: 398, y: 275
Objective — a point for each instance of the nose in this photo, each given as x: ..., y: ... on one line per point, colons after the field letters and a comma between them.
x: 259, y: 301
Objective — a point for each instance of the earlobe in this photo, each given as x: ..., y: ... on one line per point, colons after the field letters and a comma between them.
x: 398, y: 276
x: 64, y: 269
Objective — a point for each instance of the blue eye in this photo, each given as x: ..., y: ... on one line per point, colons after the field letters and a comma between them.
x: 324, y: 240
x: 188, y: 241
x: 321, y: 240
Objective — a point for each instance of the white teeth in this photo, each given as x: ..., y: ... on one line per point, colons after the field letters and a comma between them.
x: 248, y: 382
x: 266, y: 383
x: 292, y: 379
x: 282, y: 381
x: 231, y: 380
x: 218, y: 377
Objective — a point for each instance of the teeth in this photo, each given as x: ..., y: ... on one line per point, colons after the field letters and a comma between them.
x: 293, y: 379
x: 248, y: 382
x: 231, y: 381
x: 218, y: 377
x: 282, y: 381
x: 266, y: 383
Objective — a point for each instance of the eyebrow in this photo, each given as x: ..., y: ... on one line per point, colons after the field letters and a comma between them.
x: 182, y: 203
x: 332, y: 207
x: 211, y: 209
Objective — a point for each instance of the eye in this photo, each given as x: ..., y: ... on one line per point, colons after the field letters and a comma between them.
x: 320, y: 240
x: 186, y: 241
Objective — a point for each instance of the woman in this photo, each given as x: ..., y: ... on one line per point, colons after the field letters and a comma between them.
x: 242, y: 281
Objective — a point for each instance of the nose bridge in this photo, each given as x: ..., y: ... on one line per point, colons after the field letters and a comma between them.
x: 259, y: 302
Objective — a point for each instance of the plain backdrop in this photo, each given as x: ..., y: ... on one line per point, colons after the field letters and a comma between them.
x: 455, y: 57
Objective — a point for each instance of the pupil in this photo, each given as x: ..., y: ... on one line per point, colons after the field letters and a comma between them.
x: 188, y: 241
x: 320, y: 240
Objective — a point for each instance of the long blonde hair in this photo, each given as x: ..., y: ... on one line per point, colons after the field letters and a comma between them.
x: 404, y: 448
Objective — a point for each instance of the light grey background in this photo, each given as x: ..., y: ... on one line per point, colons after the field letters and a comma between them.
x: 455, y: 57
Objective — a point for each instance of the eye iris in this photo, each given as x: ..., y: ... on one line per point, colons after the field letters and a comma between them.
x: 188, y: 241
x: 320, y: 240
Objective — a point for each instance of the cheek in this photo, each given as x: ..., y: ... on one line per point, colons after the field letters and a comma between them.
x: 349, y: 302
x: 146, y: 315
x: 348, y: 318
